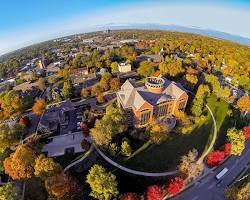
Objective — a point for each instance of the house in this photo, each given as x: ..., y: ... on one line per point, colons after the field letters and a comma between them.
x: 124, y: 67
x: 60, y: 119
x: 156, y: 59
x: 157, y: 99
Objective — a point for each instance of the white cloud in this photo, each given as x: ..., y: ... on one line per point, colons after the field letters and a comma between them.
x: 231, y: 20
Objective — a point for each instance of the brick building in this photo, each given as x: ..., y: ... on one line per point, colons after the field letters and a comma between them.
x: 157, y: 99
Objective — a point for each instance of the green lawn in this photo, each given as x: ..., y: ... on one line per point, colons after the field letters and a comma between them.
x: 166, y: 156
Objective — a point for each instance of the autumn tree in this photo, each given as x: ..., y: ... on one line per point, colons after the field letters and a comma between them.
x: 175, y: 186
x: 24, y: 121
x: 114, y: 67
x: 41, y: 84
x: 126, y: 149
x: 102, y: 183
x: 112, y: 123
x: 100, y: 99
x: 59, y: 185
x: 188, y: 168
x: 8, y: 192
x: 191, y: 79
x: 146, y: 69
x: 157, y: 132
x: 104, y: 82
x: 95, y: 90
x: 39, y: 107
x: 20, y: 164
x: 215, y: 158
x: 244, y: 104
x: 67, y: 89
x: 171, y: 67
x: 46, y: 167
x: 214, y: 82
x: 239, y: 193
x: 130, y: 196
x: 10, y: 136
x: 246, y: 131
x: 198, y: 103
x: 227, y: 149
x: 115, y: 84
x: 237, y: 141
x: 154, y: 192
x: 85, y: 92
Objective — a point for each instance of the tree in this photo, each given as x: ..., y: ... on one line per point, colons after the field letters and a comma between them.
x: 244, y: 104
x: 157, y: 132
x: 237, y: 140
x: 46, y: 167
x: 101, y: 133
x: 191, y: 79
x: 172, y: 67
x: 114, y: 84
x: 20, y: 164
x: 126, y: 149
x: 112, y: 123
x: 67, y: 89
x: 100, y: 99
x: 39, y: 107
x: 114, y: 67
x: 95, y: 90
x: 85, y: 92
x: 41, y: 84
x: 113, y: 149
x: 227, y: 149
x: 238, y: 193
x: 24, y: 121
x: 213, y: 80
x: 154, y: 192
x: 9, y: 137
x: 59, y: 185
x: 215, y: 158
x: 246, y: 131
x: 3, y: 156
x: 175, y: 186
x: 102, y: 183
x: 225, y: 93
x: 7, y: 192
x: 130, y: 196
x: 146, y: 69
x: 104, y: 82
x: 189, y: 168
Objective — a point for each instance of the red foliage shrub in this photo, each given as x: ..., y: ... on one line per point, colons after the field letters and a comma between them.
x: 215, y: 157
x: 227, y: 149
x: 246, y: 131
x: 130, y: 196
x: 175, y: 186
x: 154, y: 192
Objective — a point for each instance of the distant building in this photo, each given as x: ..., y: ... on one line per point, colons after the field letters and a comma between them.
x: 157, y: 99
x: 124, y: 67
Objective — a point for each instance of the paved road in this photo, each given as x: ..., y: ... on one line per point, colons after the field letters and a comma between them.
x: 208, y: 188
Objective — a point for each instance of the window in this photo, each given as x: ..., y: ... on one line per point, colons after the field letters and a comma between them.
x: 182, y: 105
x: 145, y: 116
x: 162, y: 109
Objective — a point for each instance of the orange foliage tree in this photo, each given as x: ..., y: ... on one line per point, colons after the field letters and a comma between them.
x: 59, y: 185
x: 39, y: 107
x: 20, y: 164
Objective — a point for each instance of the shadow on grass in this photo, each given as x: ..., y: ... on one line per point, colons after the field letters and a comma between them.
x: 166, y: 156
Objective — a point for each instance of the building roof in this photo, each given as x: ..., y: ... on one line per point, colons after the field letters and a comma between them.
x: 133, y: 96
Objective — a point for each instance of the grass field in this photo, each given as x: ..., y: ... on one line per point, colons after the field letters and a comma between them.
x: 166, y: 156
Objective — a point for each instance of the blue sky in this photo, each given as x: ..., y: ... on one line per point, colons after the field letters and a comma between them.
x: 24, y: 22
